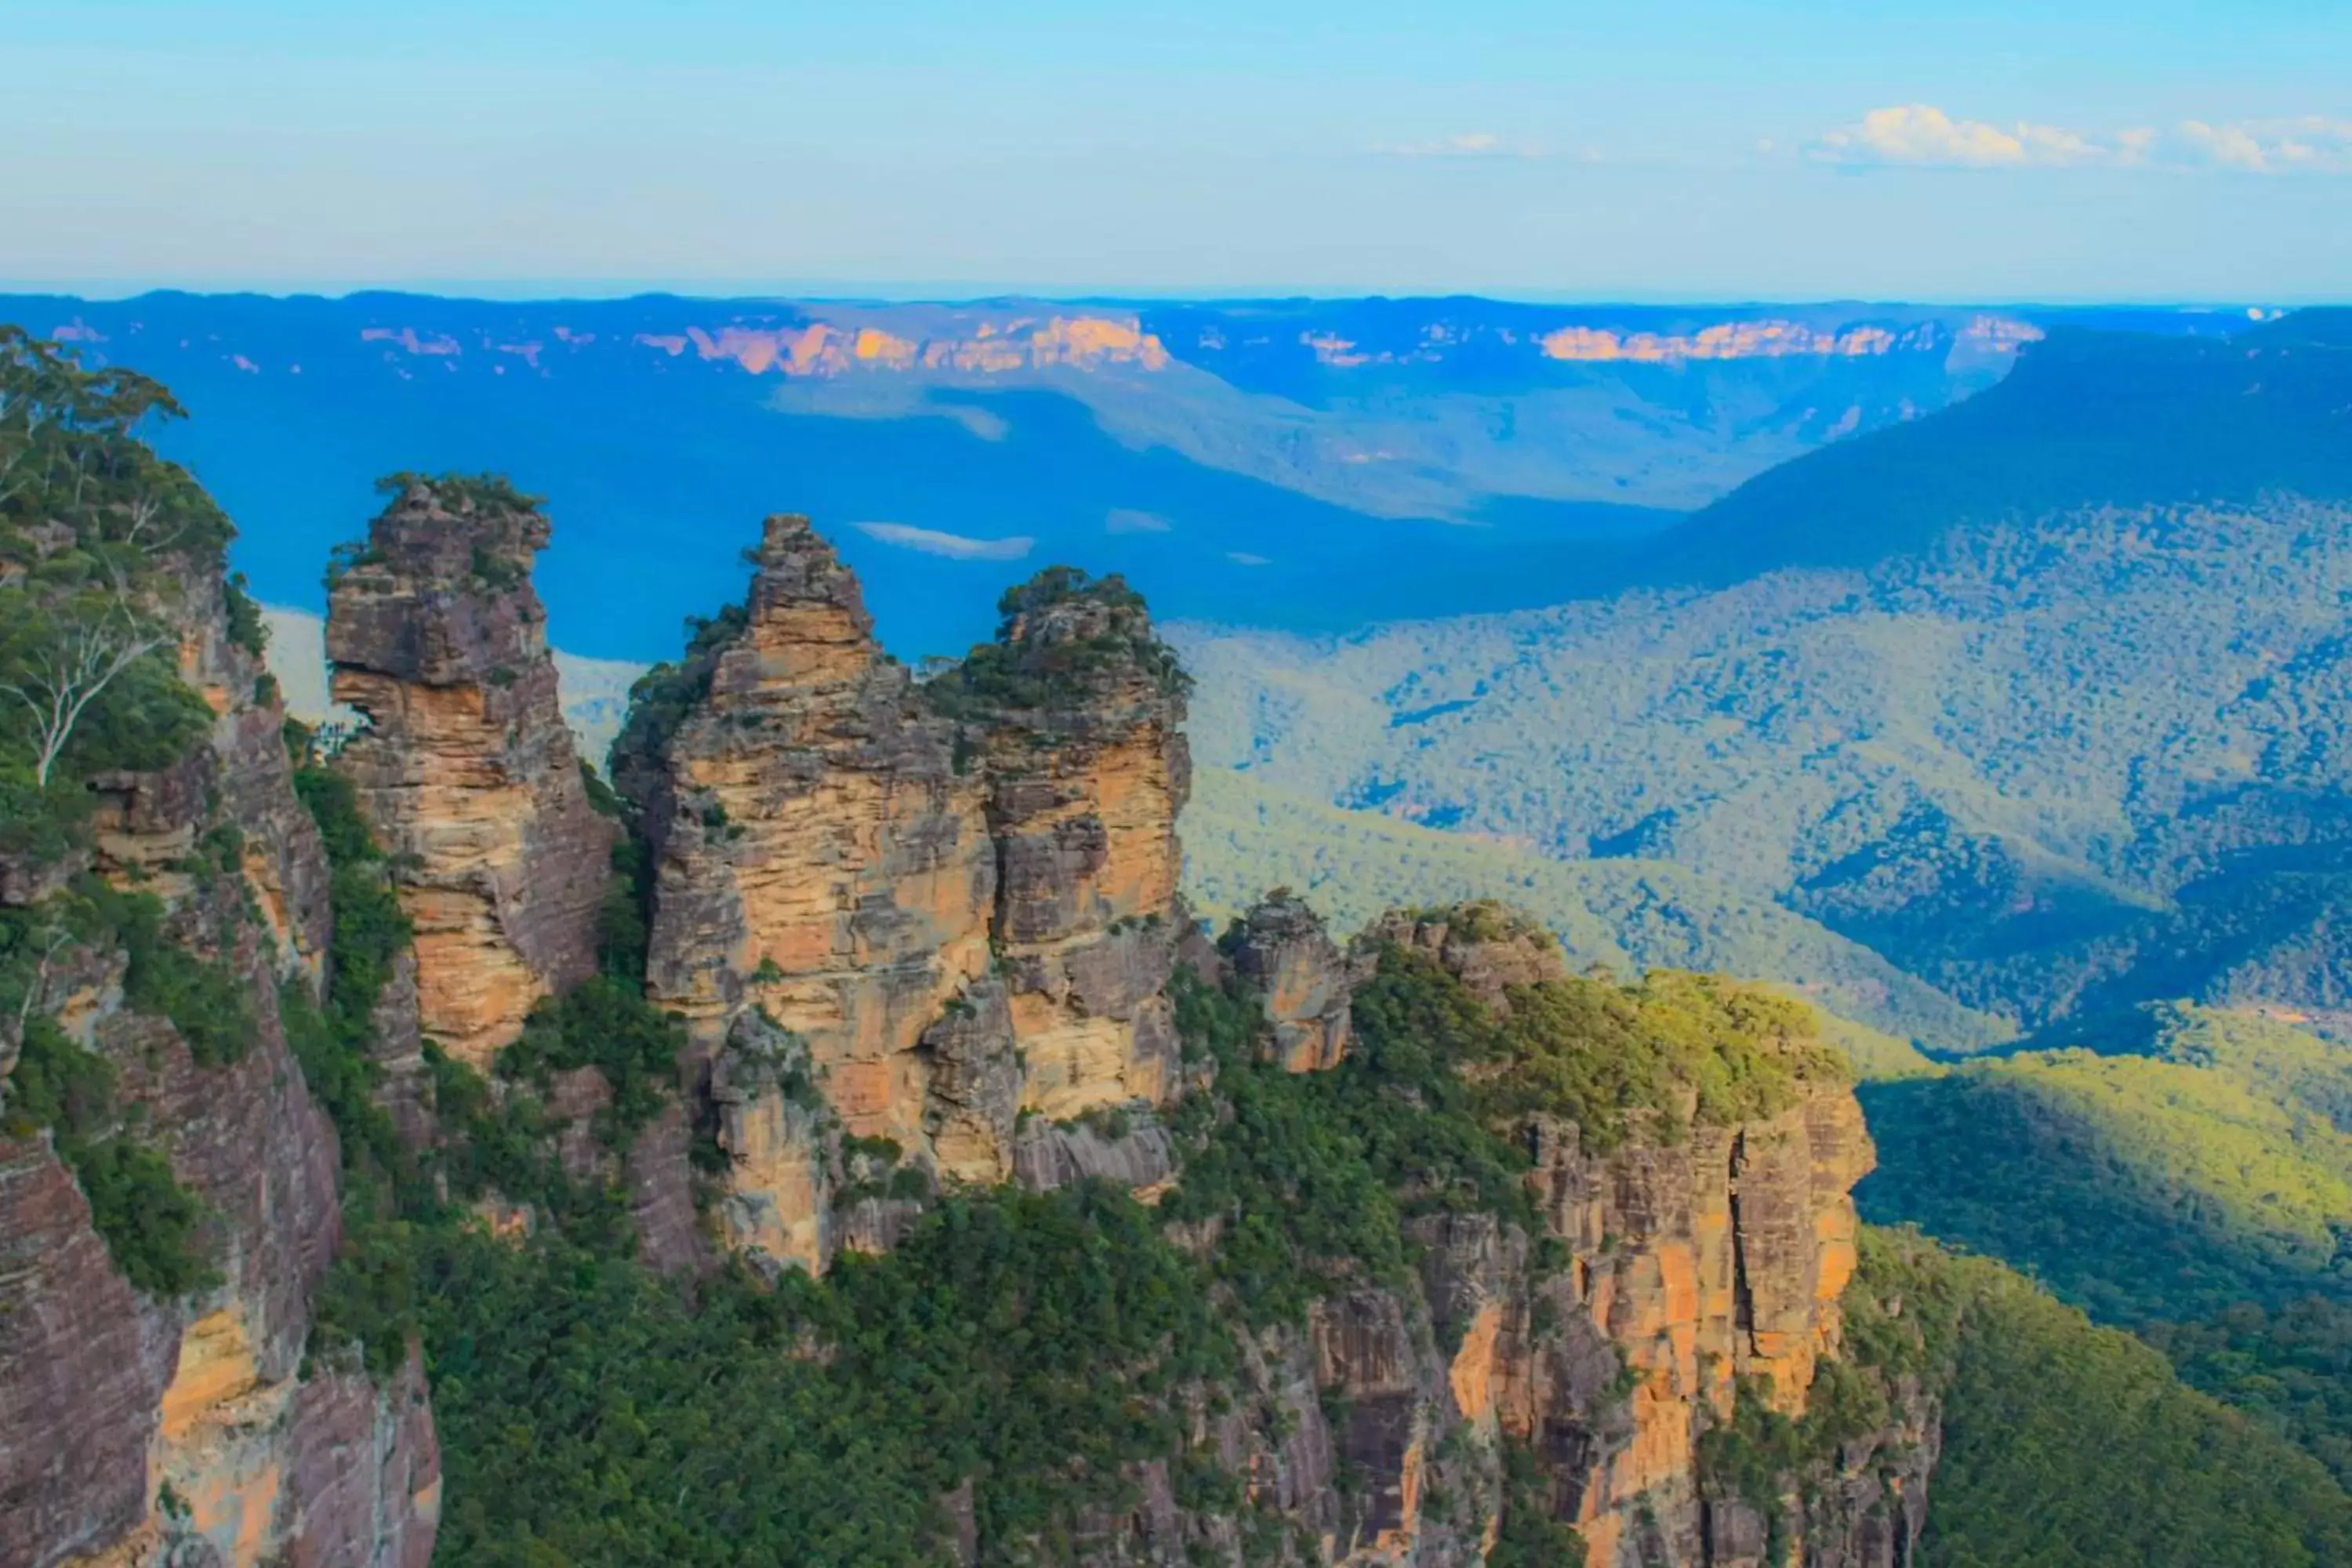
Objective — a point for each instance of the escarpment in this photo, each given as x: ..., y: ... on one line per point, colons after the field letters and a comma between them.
x: 927, y: 931
x: 464, y: 767
x: 169, y: 1181
x: 1666, y: 1268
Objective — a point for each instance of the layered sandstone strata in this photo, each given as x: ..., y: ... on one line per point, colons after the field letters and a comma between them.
x: 950, y: 902
x: 1075, y: 713
x: 821, y: 857
x: 1690, y: 1264
x: 1283, y: 952
x: 137, y: 1429
x: 465, y: 768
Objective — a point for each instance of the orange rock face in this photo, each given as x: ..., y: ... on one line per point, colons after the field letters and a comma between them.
x: 956, y: 903
x: 466, y: 771
x: 109, y: 1395
x: 1690, y: 1265
x: 1726, y: 341
x: 953, y: 340
x: 821, y: 857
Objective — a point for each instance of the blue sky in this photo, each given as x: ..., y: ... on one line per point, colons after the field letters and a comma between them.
x: 2097, y: 149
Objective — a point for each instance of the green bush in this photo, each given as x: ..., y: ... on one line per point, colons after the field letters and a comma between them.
x: 151, y: 1225
x: 150, y: 1222
x: 605, y: 1023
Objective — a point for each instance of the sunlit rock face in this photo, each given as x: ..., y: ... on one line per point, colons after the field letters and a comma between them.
x: 1678, y: 1267
x: 140, y: 1429
x: 1284, y: 952
x: 465, y: 769
x: 957, y: 900
x: 822, y: 860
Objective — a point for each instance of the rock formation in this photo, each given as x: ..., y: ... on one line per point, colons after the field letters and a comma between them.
x: 140, y: 1428
x: 1680, y: 1268
x: 945, y: 905
x: 1286, y: 956
x: 821, y: 857
x: 1076, y: 715
x: 465, y: 768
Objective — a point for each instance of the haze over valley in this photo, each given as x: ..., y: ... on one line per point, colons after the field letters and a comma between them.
x: 1309, y: 786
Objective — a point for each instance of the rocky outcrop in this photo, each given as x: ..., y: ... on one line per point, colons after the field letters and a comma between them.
x: 465, y: 768
x: 1663, y: 1275
x: 822, y: 861
x: 956, y: 901
x: 1284, y: 953
x: 139, y: 1427
x: 1715, y: 1259
x: 1489, y: 947
x: 1077, y: 713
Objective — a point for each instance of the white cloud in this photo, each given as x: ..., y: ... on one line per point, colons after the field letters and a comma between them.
x: 1127, y: 519
x: 1921, y: 135
x: 1244, y: 558
x: 1463, y: 144
x: 954, y: 546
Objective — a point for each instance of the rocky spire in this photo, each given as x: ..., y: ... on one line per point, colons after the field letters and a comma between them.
x: 465, y: 769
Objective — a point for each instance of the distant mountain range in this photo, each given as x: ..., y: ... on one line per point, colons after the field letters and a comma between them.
x: 1308, y: 465
x: 2042, y: 700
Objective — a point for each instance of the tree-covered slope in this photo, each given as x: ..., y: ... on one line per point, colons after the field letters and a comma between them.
x: 2050, y: 747
x: 1631, y: 915
x: 2066, y: 1446
x: 2181, y: 1171
x: 2193, y: 1159
x: 2089, y: 418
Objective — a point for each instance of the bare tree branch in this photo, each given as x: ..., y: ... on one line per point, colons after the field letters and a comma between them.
x: 77, y: 665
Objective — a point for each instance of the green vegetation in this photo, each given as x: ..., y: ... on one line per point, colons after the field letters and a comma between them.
x: 96, y: 536
x: 2056, y: 764
x: 2068, y: 1445
x: 2201, y: 1167
x: 1306, y: 1178
x: 204, y: 998
x: 661, y: 698
x: 1066, y: 638
x: 462, y: 492
x: 1528, y: 1536
x: 605, y: 1023
x: 151, y: 1225
x: 2289, y: 1368
x: 2191, y: 1183
x: 333, y: 1044
x: 1242, y: 834
x: 2062, y: 1444
x: 246, y: 628
x: 1032, y: 1345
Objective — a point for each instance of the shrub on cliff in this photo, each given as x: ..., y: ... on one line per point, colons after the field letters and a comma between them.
x: 1064, y: 640
x: 151, y: 1225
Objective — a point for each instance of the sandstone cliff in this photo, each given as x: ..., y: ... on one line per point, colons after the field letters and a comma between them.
x: 819, y: 855
x: 1075, y: 716
x: 1657, y: 1274
x: 177, y: 1420
x: 465, y: 768
x: 911, y: 913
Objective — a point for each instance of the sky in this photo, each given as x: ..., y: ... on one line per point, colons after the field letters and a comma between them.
x: 2090, y: 150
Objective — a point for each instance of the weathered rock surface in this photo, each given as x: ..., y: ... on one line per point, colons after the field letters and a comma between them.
x: 111, y: 1399
x: 465, y: 769
x: 819, y: 854
x: 1489, y: 946
x: 1286, y: 955
x: 1077, y: 713
x: 1685, y: 1267
x: 957, y: 903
